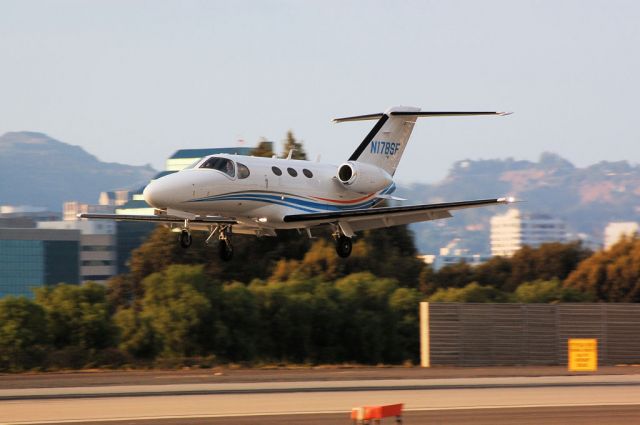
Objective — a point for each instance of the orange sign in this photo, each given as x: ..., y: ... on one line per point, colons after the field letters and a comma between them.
x: 583, y: 354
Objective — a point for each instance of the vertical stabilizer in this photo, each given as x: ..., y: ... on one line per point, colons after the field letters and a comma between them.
x: 385, y: 143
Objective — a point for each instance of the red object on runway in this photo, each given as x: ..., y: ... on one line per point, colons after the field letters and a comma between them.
x: 363, y: 415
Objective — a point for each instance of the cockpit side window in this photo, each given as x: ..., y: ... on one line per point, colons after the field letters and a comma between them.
x: 243, y: 171
x: 221, y: 164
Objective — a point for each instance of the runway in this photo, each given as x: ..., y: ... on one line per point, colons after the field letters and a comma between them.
x: 496, y: 400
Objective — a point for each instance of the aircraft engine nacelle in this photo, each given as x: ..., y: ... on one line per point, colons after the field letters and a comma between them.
x: 363, y: 178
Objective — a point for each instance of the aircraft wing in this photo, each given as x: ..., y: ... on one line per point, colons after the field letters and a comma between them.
x: 362, y: 219
x: 162, y: 219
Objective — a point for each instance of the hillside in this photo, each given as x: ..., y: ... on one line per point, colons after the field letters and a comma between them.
x: 36, y: 169
x: 586, y: 198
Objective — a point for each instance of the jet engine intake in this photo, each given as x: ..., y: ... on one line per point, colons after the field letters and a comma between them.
x: 363, y: 178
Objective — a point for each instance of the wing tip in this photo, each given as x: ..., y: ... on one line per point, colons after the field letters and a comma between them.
x: 508, y: 200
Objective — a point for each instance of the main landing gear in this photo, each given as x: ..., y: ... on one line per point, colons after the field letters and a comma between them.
x: 343, y: 246
x: 185, y: 239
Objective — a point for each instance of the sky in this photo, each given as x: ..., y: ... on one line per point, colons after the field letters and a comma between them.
x: 133, y: 81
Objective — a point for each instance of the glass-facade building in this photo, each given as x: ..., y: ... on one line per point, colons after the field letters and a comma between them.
x: 30, y: 258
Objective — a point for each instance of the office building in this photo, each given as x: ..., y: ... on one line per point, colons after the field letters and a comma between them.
x: 98, y: 257
x: 515, y: 229
x: 31, y: 258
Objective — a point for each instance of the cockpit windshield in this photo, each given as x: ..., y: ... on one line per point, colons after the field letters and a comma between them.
x: 221, y: 164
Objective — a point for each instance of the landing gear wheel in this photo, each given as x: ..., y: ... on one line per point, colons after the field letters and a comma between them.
x: 225, y: 250
x: 343, y: 246
x: 185, y: 239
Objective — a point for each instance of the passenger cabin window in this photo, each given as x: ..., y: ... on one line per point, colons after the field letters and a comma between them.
x: 243, y: 171
x: 292, y: 172
x: 307, y: 173
x: 276, y: 171
x: 221, y: 164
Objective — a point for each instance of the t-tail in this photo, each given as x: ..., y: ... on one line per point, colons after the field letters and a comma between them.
x: 387, y: 140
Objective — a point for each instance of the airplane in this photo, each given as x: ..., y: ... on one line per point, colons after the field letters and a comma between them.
x: 226, y: 194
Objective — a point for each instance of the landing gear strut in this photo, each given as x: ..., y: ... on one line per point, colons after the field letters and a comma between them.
x: 225, y: 249
x: 343, y: 246
x: 185, y: 239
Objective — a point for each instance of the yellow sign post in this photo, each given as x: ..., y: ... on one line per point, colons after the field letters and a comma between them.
x: 583, y: 354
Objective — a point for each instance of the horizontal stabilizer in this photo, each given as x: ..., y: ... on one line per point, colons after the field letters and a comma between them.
x: 418, y: 114
x: 360, y: 118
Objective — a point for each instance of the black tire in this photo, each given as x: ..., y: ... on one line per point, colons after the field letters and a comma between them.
x: 225, y: 250
x: 185, y: 239
x: 343, y: 246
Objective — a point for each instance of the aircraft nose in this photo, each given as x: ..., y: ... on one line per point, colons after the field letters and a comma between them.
x: 154, y: 195
x: 147, y: 194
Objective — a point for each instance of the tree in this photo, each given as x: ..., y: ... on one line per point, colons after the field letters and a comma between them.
x: 178, y: 307
x: 612, y: 275
x: 548, y: 261
x: 77, y: 315
x: 264, y: 149
x: 239, y: 311
x: 23, y: 334
x: 388, y: 252
x: 404, y: 304
x: 472, y: 293
x: 549, y: 291
x: 291, y: 143
x: 368, y: 334
x: 136, y: 334
x: 258, y: 257
x: 451, y: 276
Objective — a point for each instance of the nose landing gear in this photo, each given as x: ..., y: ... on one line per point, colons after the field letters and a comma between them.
x: 225, y: 249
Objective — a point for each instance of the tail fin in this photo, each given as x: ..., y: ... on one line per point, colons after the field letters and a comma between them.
x: 385, y: 143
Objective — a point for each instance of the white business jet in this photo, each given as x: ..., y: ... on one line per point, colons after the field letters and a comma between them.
x: 225, y: 194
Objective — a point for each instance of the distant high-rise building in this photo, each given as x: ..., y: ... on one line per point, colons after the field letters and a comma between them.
x: 114, y: 198
x: 617, y: 230
x: 515, y: 229
x: 30, y: 258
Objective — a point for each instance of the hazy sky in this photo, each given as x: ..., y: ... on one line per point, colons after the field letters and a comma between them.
x: 133, y: 81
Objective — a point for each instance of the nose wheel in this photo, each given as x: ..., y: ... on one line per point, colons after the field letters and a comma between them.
x: 185, y: 239
x: 343, y: 246
x: 225, y: 249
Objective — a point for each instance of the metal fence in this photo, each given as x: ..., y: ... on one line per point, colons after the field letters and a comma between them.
x: 467, y: 334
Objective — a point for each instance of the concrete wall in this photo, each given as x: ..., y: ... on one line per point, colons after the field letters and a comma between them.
x: 467, y: 334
